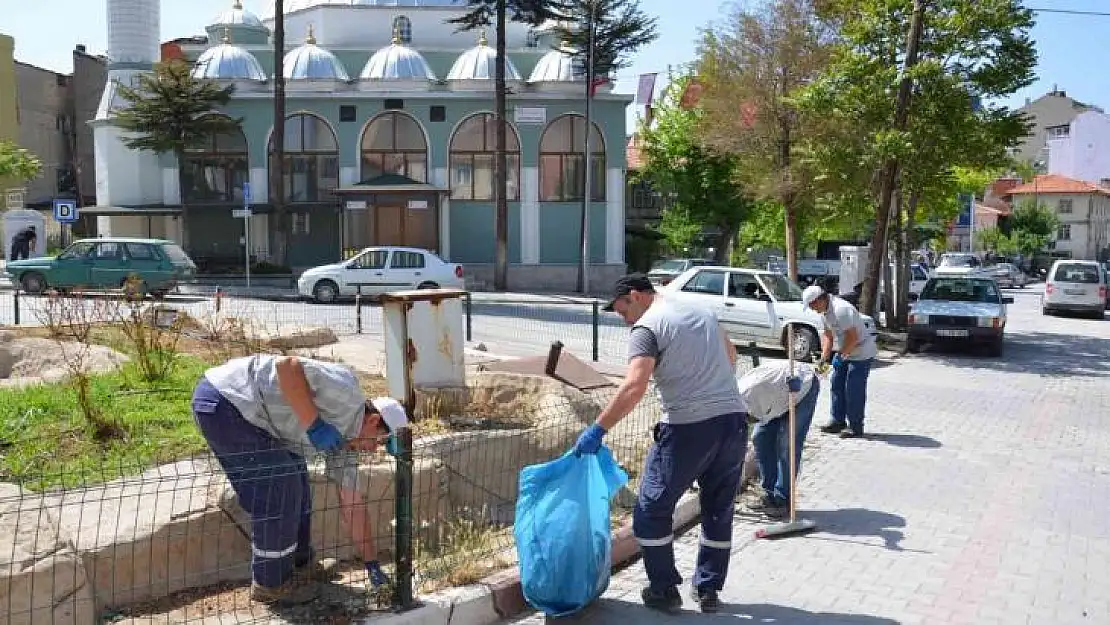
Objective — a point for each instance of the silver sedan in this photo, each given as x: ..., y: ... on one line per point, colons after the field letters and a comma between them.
x: 1007, y: 275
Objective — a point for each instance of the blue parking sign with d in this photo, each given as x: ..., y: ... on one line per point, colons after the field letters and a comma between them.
x: 65, y: 211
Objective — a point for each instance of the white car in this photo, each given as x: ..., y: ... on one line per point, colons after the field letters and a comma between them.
x: 968, y: 310
x: 753, y: 306
x: 377, y: 270
x: 1075, y: 286
x: 958, y: 264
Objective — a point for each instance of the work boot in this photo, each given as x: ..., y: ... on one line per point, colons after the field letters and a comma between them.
x: 833, y: 427
x: 707, y: 600
x: 851, y: 433
x: 324, y: 570
x: 767, y: 505
x: 669, y: 600
x: 293, y: 592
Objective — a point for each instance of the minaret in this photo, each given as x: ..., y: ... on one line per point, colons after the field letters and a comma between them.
x: 126, y: 177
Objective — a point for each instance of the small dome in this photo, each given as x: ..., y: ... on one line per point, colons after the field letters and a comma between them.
x: 397, y: 62
x: 311, y: 62
x: 555, y: 66
x: 237, y: 16
x: 228, y: 62
x: 480, y: 63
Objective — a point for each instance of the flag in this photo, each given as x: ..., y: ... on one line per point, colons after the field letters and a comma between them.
x: 646, y: 90
x: 691, y: 95
x: 599, y: 81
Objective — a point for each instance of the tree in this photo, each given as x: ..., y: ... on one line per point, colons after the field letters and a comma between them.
x: 749, y: 68
x: 679, y: 228
x: 704, y: 184
x: 966, y: 52
x: 482, y: 14
x: 1032, y: 227
x: 170, y: 111
x: 18, y: 163
x: 600, y: 35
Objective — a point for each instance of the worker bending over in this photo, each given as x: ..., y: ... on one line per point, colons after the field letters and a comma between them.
x: 262, y: 415
x: 700, y: 437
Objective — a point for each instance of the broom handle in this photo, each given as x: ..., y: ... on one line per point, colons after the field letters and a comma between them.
x: 792, y: 426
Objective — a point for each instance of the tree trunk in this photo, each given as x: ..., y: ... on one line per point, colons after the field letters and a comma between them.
x: 889, y: 179
x: 890, y: 277
x: 185, y: 241
x: 501, y: 219
x: 280, y: 229
x: 905, y: 243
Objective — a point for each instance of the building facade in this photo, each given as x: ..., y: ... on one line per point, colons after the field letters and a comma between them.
x: 1083, y: 209
x: 1051, y: 116
x: 389, y: 139
x: 9, y: 118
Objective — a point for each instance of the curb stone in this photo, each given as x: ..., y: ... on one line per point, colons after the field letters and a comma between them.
x: 499, y: 596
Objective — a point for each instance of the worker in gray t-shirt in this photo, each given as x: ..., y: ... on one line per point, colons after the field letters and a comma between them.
x: 262, y: 415
x: 856, y: 350
x: 701, y: 436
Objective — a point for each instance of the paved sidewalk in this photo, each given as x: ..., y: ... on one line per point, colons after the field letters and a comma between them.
x: 980, y: 497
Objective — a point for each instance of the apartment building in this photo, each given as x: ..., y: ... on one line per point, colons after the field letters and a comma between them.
x: 1083, y: 209
x: 1051, y: 116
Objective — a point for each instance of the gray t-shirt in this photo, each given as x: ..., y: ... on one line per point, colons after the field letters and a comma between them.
x: 251, y: 385
x: 840, y: 316
x: 693, y: 377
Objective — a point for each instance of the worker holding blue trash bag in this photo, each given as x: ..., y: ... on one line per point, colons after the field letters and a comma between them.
x: 700, y: 437
x: 261, y: 416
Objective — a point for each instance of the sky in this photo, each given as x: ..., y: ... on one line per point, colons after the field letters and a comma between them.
x: 1071, y: 47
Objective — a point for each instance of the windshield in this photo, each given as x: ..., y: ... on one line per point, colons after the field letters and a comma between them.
x: 961, y: 290
x: 176, y: 255
x: 958, y: 260
x: 79, y: 249
x: 1081, y: 273
x: 676, y: 266
x: 781, y: 288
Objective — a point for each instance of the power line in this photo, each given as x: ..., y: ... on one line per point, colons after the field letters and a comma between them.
x: 1071, y: 12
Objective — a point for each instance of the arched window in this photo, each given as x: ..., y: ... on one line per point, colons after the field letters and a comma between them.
x: 216, y: 171
x: 562, y: 175
x: 393, y: 143
x: 402, y: 27
x: 311, y: 158
x: 472, y: 151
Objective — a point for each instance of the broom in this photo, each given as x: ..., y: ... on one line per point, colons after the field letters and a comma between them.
x: 794, y: 525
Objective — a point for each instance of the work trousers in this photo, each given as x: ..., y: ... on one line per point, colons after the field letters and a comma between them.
x: 772, y: 445
x: 20, y: 250
x: 849, y: 393
x: 712, y: 454
x: 270, y: 482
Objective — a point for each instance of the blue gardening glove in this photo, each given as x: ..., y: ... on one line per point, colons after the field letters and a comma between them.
x: 392, y: 447
x: 376, y: 575
x: 838, y: 362
x: 590, y: 440
x: 324, y: 436
x: 794, y: 383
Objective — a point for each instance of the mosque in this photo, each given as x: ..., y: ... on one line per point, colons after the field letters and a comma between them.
x: 389, y: 140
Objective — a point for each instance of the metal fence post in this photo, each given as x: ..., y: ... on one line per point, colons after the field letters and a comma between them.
x: 403, y: 547
x: 469, y: 327
x: 754, y: 351
x: 219, y: 298
x: 596, y: 323
x: 358, y: 309
x: 15, y: 306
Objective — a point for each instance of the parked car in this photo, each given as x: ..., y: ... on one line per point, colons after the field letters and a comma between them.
x: 663, y: 271
x: 918, y: 277
x: 753, y: 306
x: 967, y: 310
x: 1007, y: 275
x: 958, y: 264
x: 153, y: 266
x: 377, y: 270
x: 1075, y: 286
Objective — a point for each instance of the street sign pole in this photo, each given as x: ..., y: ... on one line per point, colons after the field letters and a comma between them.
x: 247, y: 231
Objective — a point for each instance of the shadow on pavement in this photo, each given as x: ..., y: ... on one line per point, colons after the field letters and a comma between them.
x: 611, y: 611
x: 1038, y: 353
x: 768, y: 613
x: 860, y: 522
x: 905, y: 440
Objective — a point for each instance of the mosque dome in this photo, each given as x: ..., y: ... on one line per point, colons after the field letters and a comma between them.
x: 555, y: 66
x: 228, y: 62
x: 239, y: 17
x: 311, y: 62
x: 480, y: 63
x: 397, y: 62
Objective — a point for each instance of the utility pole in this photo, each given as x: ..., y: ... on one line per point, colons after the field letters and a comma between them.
x: 877, y: 257
x: 501, y: 203
x: 277, y: 165
x: 584, y: 266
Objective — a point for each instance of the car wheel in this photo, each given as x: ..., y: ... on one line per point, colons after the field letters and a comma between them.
x: 33, y: 283
x: 913, y: 346
x: 1045, y: 311
x: 428, y: 285
x: 325, y: 292
x: 995, y: 348
x: 805, y: 343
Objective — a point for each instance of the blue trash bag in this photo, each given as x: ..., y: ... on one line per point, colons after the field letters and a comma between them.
x: 562, y: 530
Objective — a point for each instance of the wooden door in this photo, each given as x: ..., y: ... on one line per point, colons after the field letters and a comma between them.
x: 421, y: 229
x: 389, y: 225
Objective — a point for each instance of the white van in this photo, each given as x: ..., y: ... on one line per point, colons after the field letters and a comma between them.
x: 1075, y: 286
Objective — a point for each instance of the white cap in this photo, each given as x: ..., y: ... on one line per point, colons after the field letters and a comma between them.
x: 393, y: 413
x: 810, y: 294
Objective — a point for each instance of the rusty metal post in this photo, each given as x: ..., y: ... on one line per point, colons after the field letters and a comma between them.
x: 469, y: 328
x: 358, y: 309
x: 15, y: 305
x: 403, y: 540
x: 596, y: 324
x: 553, y: 357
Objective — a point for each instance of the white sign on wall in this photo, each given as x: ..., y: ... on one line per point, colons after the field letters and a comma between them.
x: 418, y: 204
x: 530, y: 115
x: 356, y: 205
x: 13, y: 199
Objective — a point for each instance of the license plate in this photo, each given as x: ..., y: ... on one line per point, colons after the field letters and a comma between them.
x: 952, y: 333
x: 1074, y: 292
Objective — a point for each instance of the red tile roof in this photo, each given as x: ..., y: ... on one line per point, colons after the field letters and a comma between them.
x: 1053, y: 183
x: 633, y: 155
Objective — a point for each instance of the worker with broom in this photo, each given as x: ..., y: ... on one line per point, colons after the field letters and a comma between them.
x: 701, y: 436
x: 768, y: 391
x: 262, y: 415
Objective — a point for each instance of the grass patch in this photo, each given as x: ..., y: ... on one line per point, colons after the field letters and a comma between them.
x: 45, y: 442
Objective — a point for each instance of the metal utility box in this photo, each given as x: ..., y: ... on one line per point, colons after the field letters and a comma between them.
x: 853, y: 266
x: 424, y: 341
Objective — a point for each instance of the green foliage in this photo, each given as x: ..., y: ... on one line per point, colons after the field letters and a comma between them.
x: 18, y: 163
x: 483, y: 13
x: 171, y: 111
x: 620, y: 29
x: 1032, y: 227
x: 1035, y: 219
x: 679, y: 229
